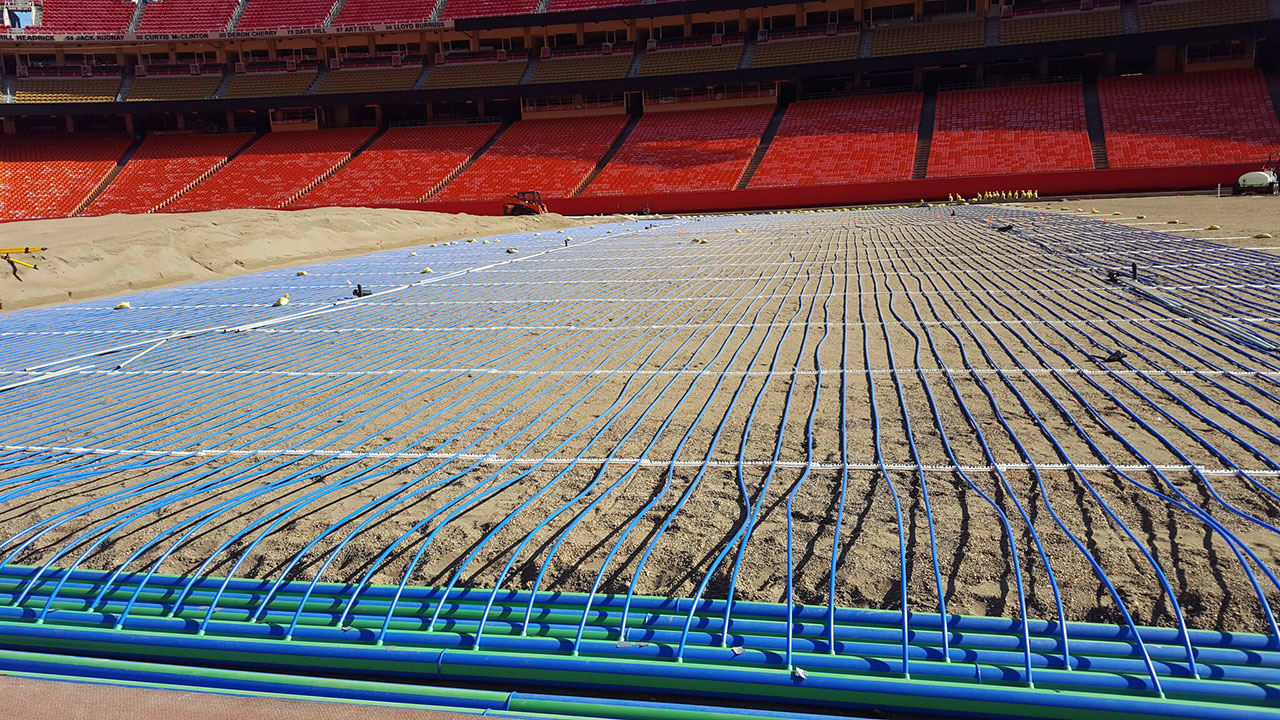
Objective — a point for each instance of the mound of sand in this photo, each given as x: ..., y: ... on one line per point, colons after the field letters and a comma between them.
x: 92, y: 257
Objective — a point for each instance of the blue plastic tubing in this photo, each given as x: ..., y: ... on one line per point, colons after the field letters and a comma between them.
x: 158, y: 638
x: 1001, y: 365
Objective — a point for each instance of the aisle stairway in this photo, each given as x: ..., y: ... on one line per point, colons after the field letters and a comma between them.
x: 765, y: 141
x: 924, y: 140
x: 1097, y: 133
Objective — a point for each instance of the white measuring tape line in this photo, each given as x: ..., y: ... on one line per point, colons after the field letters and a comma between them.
x: 673, y: 326
x: 642, y: 462
x: 684, y: 372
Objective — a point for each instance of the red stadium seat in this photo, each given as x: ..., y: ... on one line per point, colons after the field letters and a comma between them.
x: 105, y: 17
x: 553, y: 156
x: 179, y: 16
x: 486, y: 8
x: 161, y: 168
x: 270, y: 14
x: 556, y: 5
x: 684, y: 150
x: 49, y: 176
x: 402, y: 166
x: 375, y: 12
x: 1189, y: 119
x: 273, y: 170
x: 1010, y: 130
x: 843, y: 141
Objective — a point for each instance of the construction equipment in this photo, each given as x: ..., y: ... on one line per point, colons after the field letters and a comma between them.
x: 525, y: 202
x: 7, y: 254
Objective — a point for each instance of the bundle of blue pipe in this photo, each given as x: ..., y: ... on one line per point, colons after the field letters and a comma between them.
x: 1235, y: 675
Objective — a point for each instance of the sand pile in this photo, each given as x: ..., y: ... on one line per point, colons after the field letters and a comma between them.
x: 98, y: 256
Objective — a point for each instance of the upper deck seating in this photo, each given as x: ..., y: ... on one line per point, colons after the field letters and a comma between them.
x: 67, y: 90
x: 476, y: 74
x: 270, y: 84
x: 1061, y: 26
x: 805, y: 50
x: 690, y: 60
x: 929, y: 36
x: 186, y: 16
x: 369, y: 80
x: 581, y: 69
x: 174, y: 87
x: 1176, y: 14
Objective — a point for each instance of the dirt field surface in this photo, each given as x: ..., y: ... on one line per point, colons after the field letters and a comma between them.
x: 100, y: 256
x: 1239, y: 220
x: 723, y: 406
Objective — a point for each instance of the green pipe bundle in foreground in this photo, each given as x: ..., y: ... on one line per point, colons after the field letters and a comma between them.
x: 232, y: 637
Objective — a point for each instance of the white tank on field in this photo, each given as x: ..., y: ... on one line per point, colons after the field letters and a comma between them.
x: 1259, y: 181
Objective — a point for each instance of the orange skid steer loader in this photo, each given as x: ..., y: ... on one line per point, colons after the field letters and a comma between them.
x: 525, y: 202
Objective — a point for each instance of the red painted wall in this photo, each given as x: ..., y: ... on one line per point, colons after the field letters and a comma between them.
x: 1088, y: 182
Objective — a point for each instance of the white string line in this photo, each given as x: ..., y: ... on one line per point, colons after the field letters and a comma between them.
x: 742, y: 278
x: 1141, y: 250
x: 1117, y: 239
x: 343, y: 286
x: 674, y: 326
x: 712, y: 324
x: 798, y: 276
x: 469, y: 328
x: 29, y: 333
x: 491, y: 459
x: 546, y: 301
x: 1158, y: 321
x: 1019, y: 291
x: 959, y: 372
x: 651, y: 265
